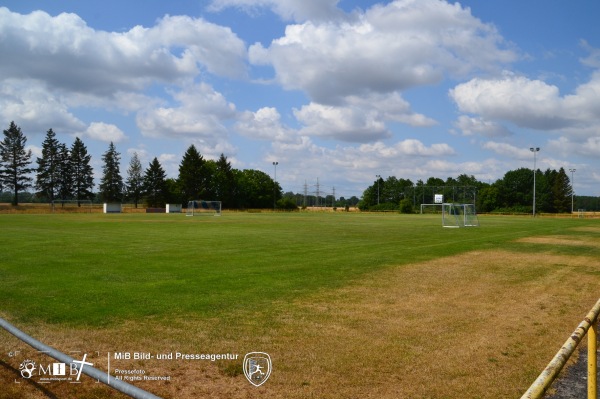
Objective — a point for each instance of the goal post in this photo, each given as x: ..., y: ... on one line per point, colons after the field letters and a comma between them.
x: 203, y: 207
x: 459, y: 215
x: 71, y: 206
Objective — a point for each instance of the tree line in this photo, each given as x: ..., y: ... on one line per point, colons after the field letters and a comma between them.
x: 513, y: 193
x: 65, y: 173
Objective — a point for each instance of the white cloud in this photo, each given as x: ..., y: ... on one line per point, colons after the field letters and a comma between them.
x: 59, y: 63
x: 104, y: 132
x: 479, y: 126
x: 508, y: 150
x: 264, y: 124
x: 407, y: 148
x: 530, y: 103
x: 593, y: 59
x: 566, y: 146
x: 35, y: 109
x: 525, y: 102
x: 403, y: 44
x: 200, y: 114
x: 68, y: 55
x: 352, y: 124
x: 356, y: 166
x: 535, y: 104
x: 359, y: 118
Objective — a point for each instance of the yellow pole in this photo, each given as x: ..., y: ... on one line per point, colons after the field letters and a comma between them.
x: 593, y: 361
x: 539, y: 386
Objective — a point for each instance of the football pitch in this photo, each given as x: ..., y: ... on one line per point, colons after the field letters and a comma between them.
x: 346, y: 304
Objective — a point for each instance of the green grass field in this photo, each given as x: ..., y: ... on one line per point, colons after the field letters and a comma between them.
x: 243, y: 275
x: 96, y: 269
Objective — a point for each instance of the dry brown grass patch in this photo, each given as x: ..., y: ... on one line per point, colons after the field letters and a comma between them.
x: 588, y: 229
x: 481, y: 324
x: 563, y: 240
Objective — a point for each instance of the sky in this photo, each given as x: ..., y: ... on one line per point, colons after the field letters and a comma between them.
x: 335, y: 91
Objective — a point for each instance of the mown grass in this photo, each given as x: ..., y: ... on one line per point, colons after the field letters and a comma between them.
x: 97, y: 269
x: 366, y: 305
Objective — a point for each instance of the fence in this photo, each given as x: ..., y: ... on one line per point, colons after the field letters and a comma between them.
x: 101, y: 376
x: 588, y: 326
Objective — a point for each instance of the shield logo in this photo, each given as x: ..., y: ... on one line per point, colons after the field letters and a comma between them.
x: 257, y: 367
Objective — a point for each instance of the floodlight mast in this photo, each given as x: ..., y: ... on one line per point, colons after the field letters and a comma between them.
x: 534, y: 150
x: 275, y: 184
x: 572, y: 170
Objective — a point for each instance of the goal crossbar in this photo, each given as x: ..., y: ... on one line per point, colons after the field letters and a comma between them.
x: 203, y: 207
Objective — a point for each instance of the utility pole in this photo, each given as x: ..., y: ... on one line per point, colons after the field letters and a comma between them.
x: 305, y: 192
x: 318, y: 193
x: 275, y: 184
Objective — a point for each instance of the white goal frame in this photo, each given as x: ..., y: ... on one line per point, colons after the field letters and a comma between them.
x: 459, y: 215
x: 85, y: 205
x: 203, y: 207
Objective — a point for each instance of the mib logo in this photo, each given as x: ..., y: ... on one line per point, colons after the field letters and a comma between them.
x: 257, y: 367
x: 28, y: 369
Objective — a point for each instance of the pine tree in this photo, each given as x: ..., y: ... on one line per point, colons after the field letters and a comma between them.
x: 111, y: 184
x: 65, y: 180
x: 561, y: 192
x: 192, y: 175
x: 81, y: 171
x: 15, y: 161
x: 47, y: 179
x: 224, y: 181
x: 155, y: 185
x: 135, y: 180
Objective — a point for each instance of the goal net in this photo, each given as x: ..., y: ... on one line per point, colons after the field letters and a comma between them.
x: 201, y: 207
x: 71, y: 206
x: 459, y: 215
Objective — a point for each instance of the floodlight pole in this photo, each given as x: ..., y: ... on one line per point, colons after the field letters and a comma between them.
x: 572, y: 188
x: 534, y: 150
x: 275, y: 184
x: 378, y: 177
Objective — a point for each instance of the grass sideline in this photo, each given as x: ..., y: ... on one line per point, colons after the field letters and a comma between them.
x: 350, y: 287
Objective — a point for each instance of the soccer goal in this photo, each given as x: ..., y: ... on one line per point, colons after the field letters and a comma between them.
x: 201, y: 207
x: 459, y: 215
x: 71, y: 206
